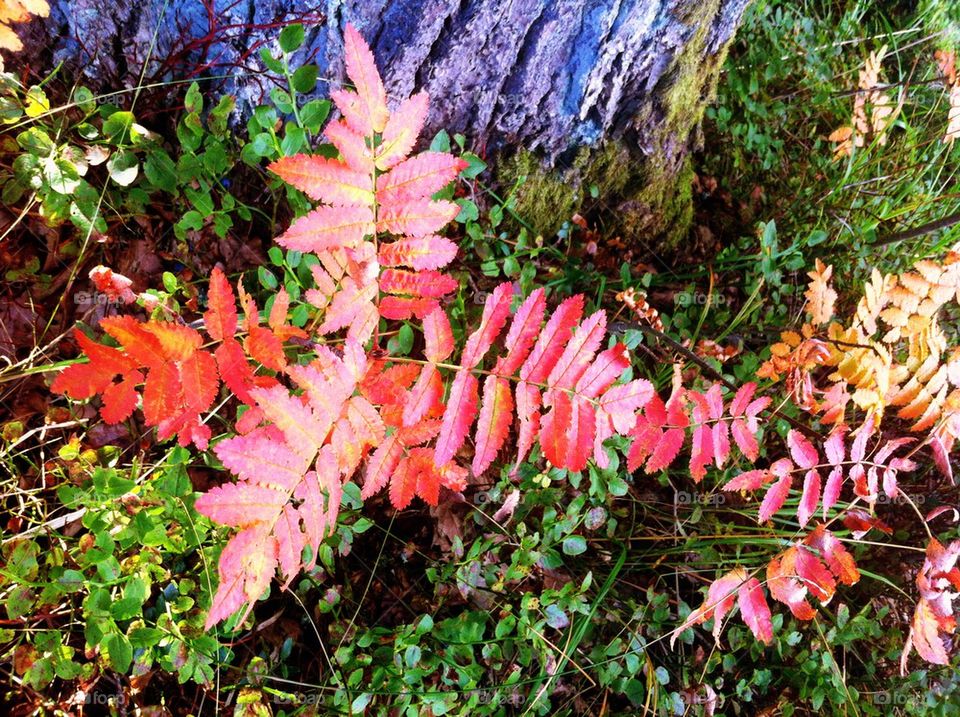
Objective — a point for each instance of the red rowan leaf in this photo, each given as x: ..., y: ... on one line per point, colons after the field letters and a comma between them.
x: 362, y: 71
x: 420, y: 253
x: 775, y: 497
x: 403, y: 482
x: 701, y: 452
x: 523, y: 332
x: 234, y: 370
x: 646, y: 432
x: 290, y: 542
x: 251, y: 315
x: 666, y: 450
x: 623, y: 401
x: 327, y: 180
x: 701, y: 449
x: 241, y: 504
x: 278, y: 311
x: 810, y: 497
x: 265, y: 348
x: 320, y: 493
x: 750, y: 480
x: 386, y: 386
x: 426, y: 393
x: 246, y: 565
x: 381, y: 466
x: 120, y: 399
x: 221, y: 316
x: 496, y: 310
x: 419, y: 434
x: 198, y: 377
x: 368, y: 427
x: 351, y: 145
x: 327, y: 228
x: 428, y: 284
x: 352, y: 308
x: 840, y: 561
x: 578, y: 354
x: 416, y: 178
x: 600, y: 374
x: 85, y: 380
x: 552, y: 340
x: 177, y: 342
x: 260, y: 459
x: 755, y: 611
x: 461, y: 410
x: 403, y: 128
x: 924, y: 635
x: 493, y: 425
x: 304, y: 428
x: 161, y: 393
x: 832, y: 489
x: 140, y: 345
x: 400, y: 308
x: 719, y: 601
x: 834, y: 447
x: 437, y: 336
x: 815, y: 576
x: 553, y: 430
x: 580, y: 434
x: 786, y: 588
x: 417, y: 218
x: 528, y: 411
x: 801, y: 450
x: 742, y: 398
x: 745, y: 440
x: 192, y: 431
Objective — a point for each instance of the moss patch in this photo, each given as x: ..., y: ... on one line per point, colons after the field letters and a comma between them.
x: 647, y: 197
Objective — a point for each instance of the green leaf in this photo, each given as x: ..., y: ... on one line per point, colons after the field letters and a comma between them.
x: 200, y: 199
x: 117, y: 126
x: 468, y: 211
x: 36, y: 142
x: 84, y: 99
x: 294, y: 139
x: 281, y: 98
x: 291, y: 37
x: 193, y: 101
x: 441, y: 142
x: 267, y: 279
x: 314, y: 114
x: 217, y: 119
x: 262, y: 144
x: 36, y: 102
x: 475, y: 166
x: 304, y: 80
x: 123, y: 167
x: 10, y: 110
x: 161, y: 171
x: 190, y: 132
x: 119, y: 651
x: 574, y: 545
x: 270, y: 62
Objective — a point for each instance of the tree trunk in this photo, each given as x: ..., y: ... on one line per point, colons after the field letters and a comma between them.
x: 571, y: 94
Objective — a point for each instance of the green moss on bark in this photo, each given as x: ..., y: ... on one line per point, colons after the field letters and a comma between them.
x: 646, y: 196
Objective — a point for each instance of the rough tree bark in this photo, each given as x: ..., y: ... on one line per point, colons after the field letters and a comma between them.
x: 570, y: 93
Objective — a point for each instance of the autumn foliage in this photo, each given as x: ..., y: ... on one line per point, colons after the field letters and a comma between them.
x: 328, y: 405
